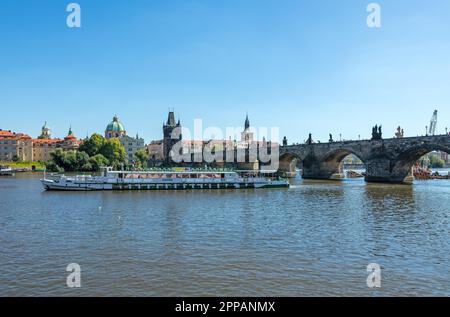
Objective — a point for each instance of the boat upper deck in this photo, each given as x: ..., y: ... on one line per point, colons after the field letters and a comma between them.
x: 211, y: 174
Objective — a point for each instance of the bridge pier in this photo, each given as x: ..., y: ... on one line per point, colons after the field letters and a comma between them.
x: 379, y: 170
x: 324, y: 170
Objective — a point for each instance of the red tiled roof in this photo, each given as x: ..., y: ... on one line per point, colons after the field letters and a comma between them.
x: 4, y: 133
x: 46, y: 140
x: 70, y: 137
x: 13, y: 136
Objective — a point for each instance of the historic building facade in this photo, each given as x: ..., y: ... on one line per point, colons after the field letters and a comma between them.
x: 15, y: 146
x: 44, y: 145
x: 116, y: 129
x: 155, y: 151
x: 161, y: 151
x: 19, y: 146
x: 132, y: 145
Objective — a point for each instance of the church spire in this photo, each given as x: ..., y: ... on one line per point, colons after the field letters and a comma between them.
x: 247, y: 123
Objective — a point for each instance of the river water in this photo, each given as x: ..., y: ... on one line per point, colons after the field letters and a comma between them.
x: 315, y: 238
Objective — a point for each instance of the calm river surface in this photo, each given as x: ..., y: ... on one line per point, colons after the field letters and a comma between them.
x: 315, y: 238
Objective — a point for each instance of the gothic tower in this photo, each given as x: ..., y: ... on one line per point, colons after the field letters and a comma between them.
x: 172, y: 135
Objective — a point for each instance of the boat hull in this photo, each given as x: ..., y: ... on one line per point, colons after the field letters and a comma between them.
x: 54, y: 186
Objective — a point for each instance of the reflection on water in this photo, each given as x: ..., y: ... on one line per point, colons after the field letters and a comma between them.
x: 315, y: 238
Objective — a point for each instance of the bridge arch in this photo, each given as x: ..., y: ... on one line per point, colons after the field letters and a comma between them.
x: 333, y: 159
x: 288, y: 163
x: 406, y: 159
x: 338, y: 155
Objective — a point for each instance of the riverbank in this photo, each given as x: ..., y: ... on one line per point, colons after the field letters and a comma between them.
x: 24, y: 166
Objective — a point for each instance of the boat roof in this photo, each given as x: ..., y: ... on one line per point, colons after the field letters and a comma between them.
x: 191, y: 172
x: 172, y: 172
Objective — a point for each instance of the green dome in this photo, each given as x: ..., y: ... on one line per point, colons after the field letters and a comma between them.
x: 115, y: 126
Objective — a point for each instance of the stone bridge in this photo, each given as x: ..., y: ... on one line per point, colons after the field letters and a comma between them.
x: 386, y: 160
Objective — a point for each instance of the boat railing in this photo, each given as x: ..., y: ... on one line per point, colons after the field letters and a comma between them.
x: 168, y: 180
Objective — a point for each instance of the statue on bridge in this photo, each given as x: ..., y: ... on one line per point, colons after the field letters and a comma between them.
x: 285, y: 141
x: 310, y: 140
x: 331, y: 139
x: 377, y: 133
x: 400, y: 134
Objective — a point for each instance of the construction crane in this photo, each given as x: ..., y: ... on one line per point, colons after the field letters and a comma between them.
x: 433, y: 123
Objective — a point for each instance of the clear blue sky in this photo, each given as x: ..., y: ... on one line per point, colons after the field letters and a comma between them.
x: 302, y: 65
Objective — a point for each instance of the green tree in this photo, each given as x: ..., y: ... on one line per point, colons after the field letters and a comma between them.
x: 436, y: 161
x: 98, y: 161
x: 58, y: 158
x: 93, y: 153
x: 142, y: 158
x: 93, y: 145
x: 114, y: 152
x: 52, y: 167
x: 82, y: 162
x: 69, y: 161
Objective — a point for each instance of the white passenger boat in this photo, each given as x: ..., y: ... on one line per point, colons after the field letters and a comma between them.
x: 166, y: 180
x: 6, y: 171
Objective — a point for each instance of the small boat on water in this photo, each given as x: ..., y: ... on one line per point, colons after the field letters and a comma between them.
x: 166, y: 180
x: 6, y: 171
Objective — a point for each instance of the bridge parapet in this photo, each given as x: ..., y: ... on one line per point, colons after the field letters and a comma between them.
x: 386, y: 160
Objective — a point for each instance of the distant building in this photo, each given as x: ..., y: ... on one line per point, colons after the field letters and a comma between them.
x: 8, y: 145
x: 70, y: 142
x: 160, y: 151
x: 25, y: 148
x: 19, y: 146
x: 155, y: 151
x: 116, y: 129
x: 132, y: 145
x: 15, y: 146
x: 43, y: 147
